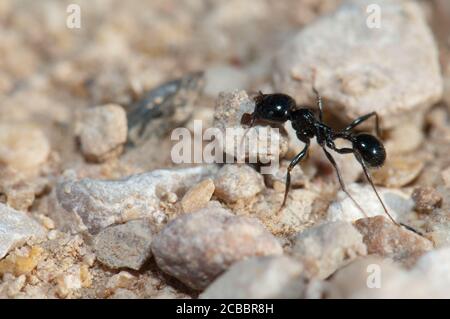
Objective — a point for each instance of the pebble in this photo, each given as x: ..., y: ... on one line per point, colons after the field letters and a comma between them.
x: 326, y: 247
x: 373, y: 277
x: 21, y: 261
x: 350, y: 76
x: 198, y: 196
x: 121, y: 280
x: 397, y: 202
x: 196, y: 248
x: 234, y: 182
x: 386, y: 239
x: 23, y: 147
x: 100, y: 203
x: 125, y: 246
x: 16, y: 228
x: 267, y: 277
x: 398, y: 171
x: 229, y: 109
x: 426, y: 199
x: 20, y: 196
x: 102, y: 132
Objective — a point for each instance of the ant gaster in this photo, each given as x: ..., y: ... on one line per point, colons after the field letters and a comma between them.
x: 278, y: 108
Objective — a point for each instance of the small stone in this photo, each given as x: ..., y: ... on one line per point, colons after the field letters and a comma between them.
x: 228, y: 113
x: 196, y: 248
x: 371, y: 277
x: 398, y: 171
x: 21, y: 261
x: 121, y: 280
x: 20, y: 196
x: 198, y: 196
x: 100, y: 203
x: 103, y: 132
x: 127, y: 245
x: 343, y: 208
x: 267, y: 277
x: 405, y: 137
x: 426, y: 199
x: 23, y: 147
x: 73, y: 279
x: 386, y: 239
x: 326, y: 247
x: 16, y: 228
x: 340, y: 47
x: 234, y: 182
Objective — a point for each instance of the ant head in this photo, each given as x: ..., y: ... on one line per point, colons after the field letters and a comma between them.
x: 273, y: 107
x: 370, y: 149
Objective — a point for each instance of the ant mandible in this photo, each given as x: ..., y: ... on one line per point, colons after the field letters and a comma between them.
x: 369, y: 151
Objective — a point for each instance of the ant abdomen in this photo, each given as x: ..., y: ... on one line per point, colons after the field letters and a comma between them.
x: 370, y: 149
x: 273, y: 108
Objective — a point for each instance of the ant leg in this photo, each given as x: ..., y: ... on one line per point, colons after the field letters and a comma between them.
x: 249, y: 119
x: 363, y: 118
x: 319, y: 103
x: 341, y: 182
x: 292, y: 164
x: 318, y: 97
x: 366, y: 173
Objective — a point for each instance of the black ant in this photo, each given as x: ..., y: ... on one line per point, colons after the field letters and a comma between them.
x: 278, y: 108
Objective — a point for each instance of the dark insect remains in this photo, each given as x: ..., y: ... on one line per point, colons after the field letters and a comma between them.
x: 276, y: 109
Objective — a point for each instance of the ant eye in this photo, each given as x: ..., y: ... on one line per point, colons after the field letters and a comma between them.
x: 371, y: 149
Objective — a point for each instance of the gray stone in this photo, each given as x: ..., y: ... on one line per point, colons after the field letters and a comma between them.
x: 100, y: 203
x: 361, y: 69
x: 127, y: 245
x: 16, y: 228
x: 259, y: 278
x: 326, y: 247
x: 198, y: 247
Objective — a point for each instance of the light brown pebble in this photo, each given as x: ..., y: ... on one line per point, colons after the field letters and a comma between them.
x: 234, y: 182
x: 386, y: 239
x: 198, y: 196
x: 102, y: 132
x: 23, y: 147
x: 398, y: 171
x: 426, y: 199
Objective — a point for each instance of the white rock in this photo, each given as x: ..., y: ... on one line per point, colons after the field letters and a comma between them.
x: 16, y: 228
x: 362, y: 69
x: 397, y: 202
x: 100, y: 203
x: 23, y: 147
x: 326, y: 247
x: 259, y: 278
